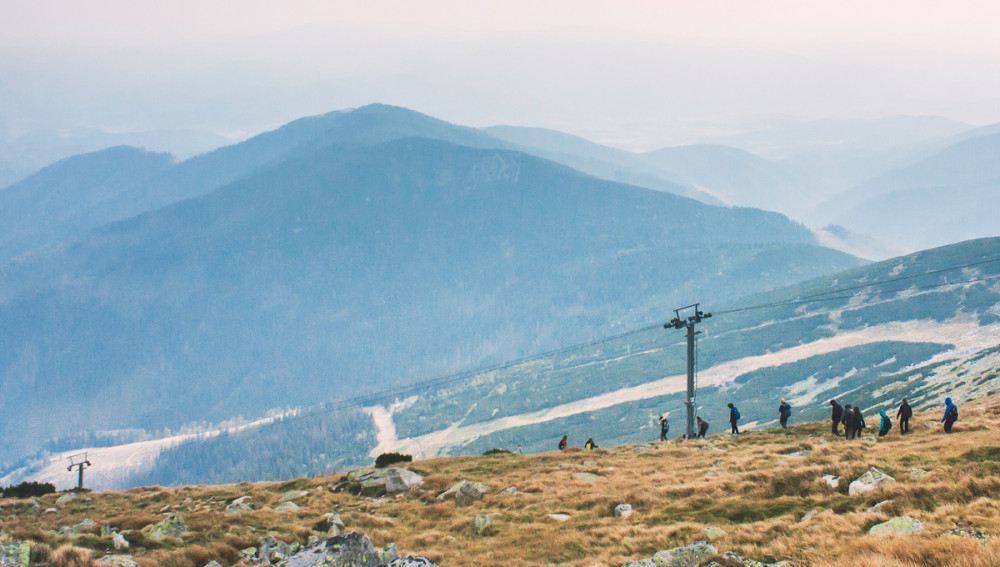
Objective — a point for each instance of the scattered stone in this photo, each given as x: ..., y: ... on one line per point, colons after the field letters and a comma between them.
x: 798, y: 454
x: 509, y: 491
x: 121, y: 560
x: 869, y: 482
x: 733, y: 559
x: 119, y: 541
x: 78, y: 529
x: 588, y: 476
x: 351, y: 548
x: 293, y: 495
x: 248, y: 553
x: 287, y: 507
x: 411, y: 561
x: 901, y: 525
x: 375, y: 482
x: 478, y: 486
x: 481, y: 524
x: 171, y: 526
x: 975, y: 534
x: 51, y: 510
x: 623, y: 510
x: 917, y: 473
x: 66, y: 498
x: 273, y: 551
x: 559, y: 517
x: 810, y: 515
x: 878, y: 506
x: 241, y: 505
x: 832, y: 481
x: 713, y: 532
x: 334, y: 525
x: 15, y: 554
x: 688, y: 556
x: 467, y: 495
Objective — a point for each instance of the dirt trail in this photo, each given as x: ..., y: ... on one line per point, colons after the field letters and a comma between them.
x: 964, y: 332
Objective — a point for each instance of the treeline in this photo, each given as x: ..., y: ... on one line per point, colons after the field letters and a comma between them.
x: 290, y: 448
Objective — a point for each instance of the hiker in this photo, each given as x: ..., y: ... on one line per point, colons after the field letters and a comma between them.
x: 847, y: 419
x: 563, y: 443
x: 859, y: 422
x: 838, y: 414
x: 590, y: 445
x: 886, y: 424
x: 904, y: 414
x: 702, y: 427
x: 664, y: 428
x: 784, y: 411
x: 734, y: 416
x: 950, y: 415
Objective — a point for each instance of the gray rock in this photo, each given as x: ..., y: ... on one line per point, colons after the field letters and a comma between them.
x: 241, y: 505
x: 832, y: 481
x: 688, y: 556
x: 468, y: 494
x: 975, y: 534
x: 412, y: 561
x: 481, y: 524
x: 77, y: 529
x: 121, y: 560
x: 293, y: 495
x: 732, y: 559
x: 869, y: 482
x: 273, y: 551
x: 15, y: 554
x: 66, y: 498
x: 213, y: 564
x: 375, y: 482
x: 171, y: 526
x: 509, y: 491
x: 287, y: 507
x: 623, y: 510
x: 917, y: 473
x: 588, y: 476
x: 478, y: 486
x: 388, y: 555
x: 351, y: 549
x: 713, y: 532
x: 334, y: 525
x: 901, y: 525
x: 559, y: 517
x: 119, y: 541
x: 879, y: 506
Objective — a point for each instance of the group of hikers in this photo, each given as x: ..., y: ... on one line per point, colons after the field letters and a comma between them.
x: 848, y: 416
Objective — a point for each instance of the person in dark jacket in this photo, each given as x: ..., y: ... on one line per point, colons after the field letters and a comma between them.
x: 847, y: 420
x: 838, y: 414
x: 563, y: 443
x: 904, y: 414
x: 664, y: 428
x: 859, y: 422
x: 784, y: 411
x: 734, y: 416
x: 950, y: 415
x: 702, y: 427
x: 886, y: 425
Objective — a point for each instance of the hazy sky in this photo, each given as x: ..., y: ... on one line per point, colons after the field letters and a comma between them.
x: 643, y: 73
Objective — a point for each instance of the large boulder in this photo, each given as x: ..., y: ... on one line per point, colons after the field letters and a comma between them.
x: 689, y: 556
x: 375, y: 482
x: 171, y: 526
x: 120, y: 560
x: 623, y: 510
x: 869, y: 482
x: 476, y: 486
x: 481, y: 524
x: 76, y: 530
x: 66, y: 498
x: 293, y: 495
x: 351, y: 549
x: 241, y: 505
x: 15, y: 554
x: 900, y: 525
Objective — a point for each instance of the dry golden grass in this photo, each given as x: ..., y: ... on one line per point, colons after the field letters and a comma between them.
x: 772, y: 507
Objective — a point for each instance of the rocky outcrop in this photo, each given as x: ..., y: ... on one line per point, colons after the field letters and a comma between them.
x: 376, y: 482
x: 15, y: 554
x: 171, y: 526
x: 900, y: 525
x: 120, y: 560
x: 351, y: 549
x: 869, y: 482
x: 688, y: 556
x: 411, y: 561
x: 482, y: 524
x: 292, y: 495
x: 474, y: 488
x: 241, y: 505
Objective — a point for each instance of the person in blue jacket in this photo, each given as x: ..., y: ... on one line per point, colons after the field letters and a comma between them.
x: 886, y: 424
x: 950, y: 415
x: 734, y: 416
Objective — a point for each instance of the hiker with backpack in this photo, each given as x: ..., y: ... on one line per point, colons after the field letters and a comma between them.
x: 784, y: 411
x: 950, y: 415
x: 664, y: 428
x: 904, y: 414
x: 838, y: 414
x: 734, y: 416
x: 590, y: 445
x: 886, y: 424
x: 702, y: 427
x: 858, y: 421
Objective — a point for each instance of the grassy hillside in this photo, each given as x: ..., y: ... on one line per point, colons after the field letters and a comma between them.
x: 763, y: 491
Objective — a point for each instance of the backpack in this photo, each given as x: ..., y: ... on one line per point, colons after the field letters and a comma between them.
x: 786, y: 410
x: 737, y: 413
x: 888, y: 424
x: 953, y: 412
